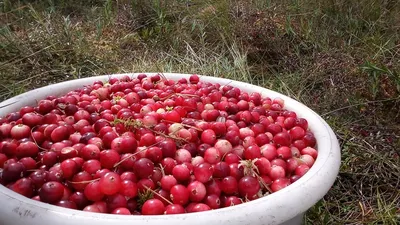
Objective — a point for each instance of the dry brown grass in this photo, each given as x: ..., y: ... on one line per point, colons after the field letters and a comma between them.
x: 341, y: 58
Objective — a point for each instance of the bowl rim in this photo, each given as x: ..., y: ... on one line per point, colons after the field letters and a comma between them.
x: 326, y: 166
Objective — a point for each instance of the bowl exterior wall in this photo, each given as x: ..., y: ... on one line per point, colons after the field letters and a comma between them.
x: 283, y: 207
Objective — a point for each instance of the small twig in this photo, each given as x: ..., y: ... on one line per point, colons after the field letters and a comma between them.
x: 183, y: 124
x: 162, y: 76
x: 263, y: 183
x: 2, y: 106
x: 34, y: 139
x: 83, y: 182
x: 33, y: 170
x: 133, y: 154
x: 169, y: 136
x: 152, y: 191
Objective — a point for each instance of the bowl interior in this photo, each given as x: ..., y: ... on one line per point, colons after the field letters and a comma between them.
x: 286, y: 203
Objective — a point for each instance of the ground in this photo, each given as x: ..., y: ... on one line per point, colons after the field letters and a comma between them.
x: 340, y: 58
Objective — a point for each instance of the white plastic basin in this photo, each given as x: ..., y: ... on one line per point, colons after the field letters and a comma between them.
x: 286, y: 206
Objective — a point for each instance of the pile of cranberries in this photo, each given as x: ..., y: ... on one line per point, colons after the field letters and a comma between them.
x: 149, y: 145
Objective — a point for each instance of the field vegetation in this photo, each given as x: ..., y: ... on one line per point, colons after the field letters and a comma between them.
x: 340, y: 58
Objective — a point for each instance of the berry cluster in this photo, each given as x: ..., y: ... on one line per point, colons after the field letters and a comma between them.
x: 150, y: 145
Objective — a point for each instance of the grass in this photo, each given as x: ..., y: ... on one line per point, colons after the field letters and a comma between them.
x: 341, y: 58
